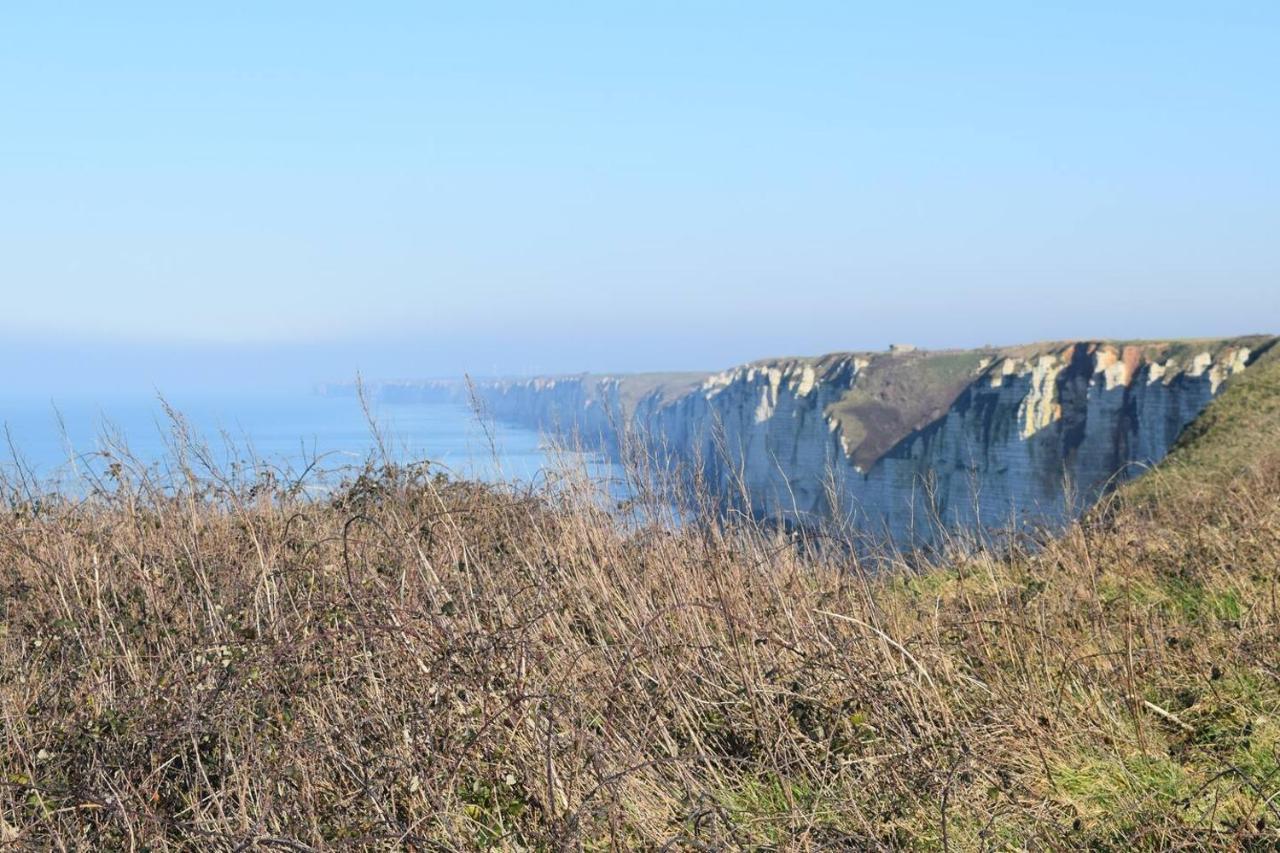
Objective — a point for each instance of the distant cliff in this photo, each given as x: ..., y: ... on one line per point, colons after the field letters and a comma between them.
x: 898, y: 442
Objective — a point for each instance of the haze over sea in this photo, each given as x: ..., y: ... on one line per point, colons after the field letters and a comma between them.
x: 55, y: 438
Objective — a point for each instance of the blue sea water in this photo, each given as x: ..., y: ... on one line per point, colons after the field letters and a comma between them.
x: 56, y: 438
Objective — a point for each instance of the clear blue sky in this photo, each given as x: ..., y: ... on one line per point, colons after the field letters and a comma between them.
x: 287, y: 191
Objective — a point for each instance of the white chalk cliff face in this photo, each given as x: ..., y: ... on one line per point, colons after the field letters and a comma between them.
x: 903, y: 444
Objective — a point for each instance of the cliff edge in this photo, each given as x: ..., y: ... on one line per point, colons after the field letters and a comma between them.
x: 905, y: 443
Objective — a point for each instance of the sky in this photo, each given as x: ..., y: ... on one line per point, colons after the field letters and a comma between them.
x: 265, y: 194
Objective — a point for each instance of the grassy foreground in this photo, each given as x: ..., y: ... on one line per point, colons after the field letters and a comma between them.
x: 223, y: 664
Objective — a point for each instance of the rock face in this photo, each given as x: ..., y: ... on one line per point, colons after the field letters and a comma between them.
x: 907, y: 443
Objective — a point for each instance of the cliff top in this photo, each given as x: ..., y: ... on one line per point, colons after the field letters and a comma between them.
x: 632, y: 388
x: 881, y: 398
x: 896, y: 394
x: 890, y: 395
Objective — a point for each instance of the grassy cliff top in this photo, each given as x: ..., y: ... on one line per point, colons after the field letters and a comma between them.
x: 669, y: 386
x: 896, y: 394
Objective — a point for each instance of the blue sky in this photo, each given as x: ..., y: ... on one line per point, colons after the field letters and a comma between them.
x: 284, y: 192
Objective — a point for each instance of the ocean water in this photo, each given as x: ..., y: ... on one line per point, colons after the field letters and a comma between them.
x: 60, y: 437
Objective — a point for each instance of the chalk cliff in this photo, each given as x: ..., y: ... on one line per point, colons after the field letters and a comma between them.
x: 904, y: 441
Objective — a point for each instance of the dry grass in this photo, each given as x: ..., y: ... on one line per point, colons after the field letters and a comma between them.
x: 212, y: 662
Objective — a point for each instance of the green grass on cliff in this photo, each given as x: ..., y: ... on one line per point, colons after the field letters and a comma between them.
x: 898, y: 394
x: 216, y: 661
x: 667, y: 386
x: 1239, y: 427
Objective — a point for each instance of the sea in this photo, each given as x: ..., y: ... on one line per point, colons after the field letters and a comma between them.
x: 58, y: 439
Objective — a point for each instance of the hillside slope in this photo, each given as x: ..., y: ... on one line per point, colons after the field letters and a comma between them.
x: 1236, y: 429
